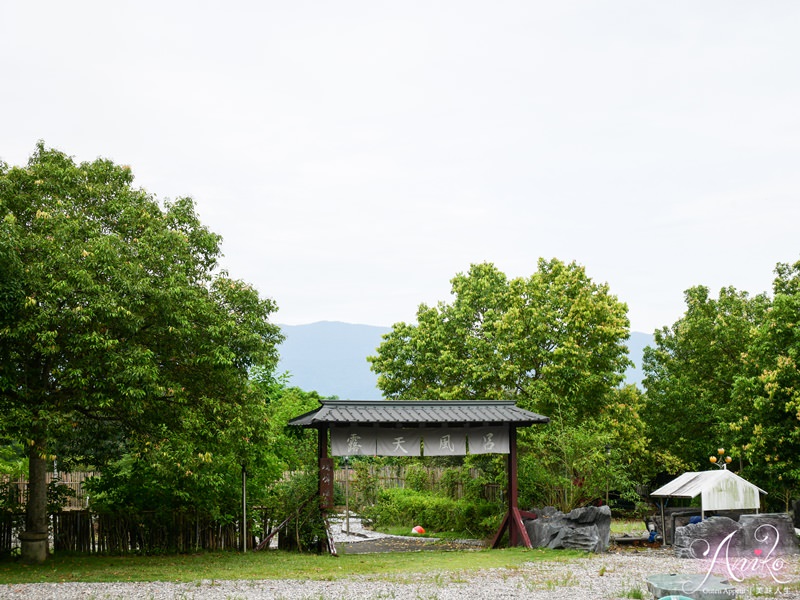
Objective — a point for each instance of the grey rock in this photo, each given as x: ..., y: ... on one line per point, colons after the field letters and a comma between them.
x: 579, y: 538
x: 761, y: 536
x: 586, y: 529
x: 699, y: 540
x: 771, y: 533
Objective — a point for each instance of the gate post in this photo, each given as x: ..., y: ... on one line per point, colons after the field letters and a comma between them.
x: 325, y: 471
x: 513, y: 518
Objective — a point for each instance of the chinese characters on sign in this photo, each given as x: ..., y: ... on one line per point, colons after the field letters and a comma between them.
x: 354, y: 444
x: 446, y: 441
x: 326, y: 483
x: 488, y: 440
x: 353, y: 441
x: 398, y: 442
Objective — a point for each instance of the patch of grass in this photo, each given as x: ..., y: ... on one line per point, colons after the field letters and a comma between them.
x: 552, y: 583
x: 566, y: 580
x: 267, y: 565
x: 632, y: 527
x: 635, y: 593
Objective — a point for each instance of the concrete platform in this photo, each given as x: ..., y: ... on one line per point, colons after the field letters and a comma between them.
x: 696, y: 586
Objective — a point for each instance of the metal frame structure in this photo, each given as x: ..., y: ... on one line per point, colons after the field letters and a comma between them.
x: 719, y: 490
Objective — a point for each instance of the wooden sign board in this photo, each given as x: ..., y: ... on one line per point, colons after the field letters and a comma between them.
x: 326, y: 483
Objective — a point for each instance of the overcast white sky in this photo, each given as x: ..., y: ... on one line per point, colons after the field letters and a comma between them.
x: 356, y: 155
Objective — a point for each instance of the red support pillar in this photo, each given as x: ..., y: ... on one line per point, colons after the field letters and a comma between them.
x: 513, y: 518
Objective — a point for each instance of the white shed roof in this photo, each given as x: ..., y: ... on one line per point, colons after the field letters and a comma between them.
x: 719, y: 490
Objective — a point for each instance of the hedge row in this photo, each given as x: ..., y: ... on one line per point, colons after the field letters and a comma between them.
x: 405, y: 507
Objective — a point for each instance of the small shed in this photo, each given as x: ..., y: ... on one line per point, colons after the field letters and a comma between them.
x: 718, y: 490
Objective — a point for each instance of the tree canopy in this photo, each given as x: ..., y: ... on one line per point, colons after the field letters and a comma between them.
x: 554, y: 343
x: 726, y: 375
x: 691, y: 372
x: 767, y: 426
x: 115, y: 318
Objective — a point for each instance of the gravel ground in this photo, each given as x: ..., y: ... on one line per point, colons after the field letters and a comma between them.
x: 606, y: 576
x: 615, y: 574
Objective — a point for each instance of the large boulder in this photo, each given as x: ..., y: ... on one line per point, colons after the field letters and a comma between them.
x: 770, y: 533
x: 762, y: 536
x: 586, y: 529
x: 700, y: 540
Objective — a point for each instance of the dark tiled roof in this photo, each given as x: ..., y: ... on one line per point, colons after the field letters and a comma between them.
x: 422, y: 412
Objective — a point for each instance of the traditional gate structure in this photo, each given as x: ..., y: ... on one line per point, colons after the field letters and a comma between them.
x: 422, y: 428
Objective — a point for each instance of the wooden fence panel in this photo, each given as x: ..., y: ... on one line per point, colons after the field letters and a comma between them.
x: 80, y: 501
x: 73, y: 531
x: 387, y: 477
x: 10, y: 526
x: 76, y: 529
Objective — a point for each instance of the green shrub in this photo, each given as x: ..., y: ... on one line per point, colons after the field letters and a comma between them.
x: 9, y: 498
x: 58, y: 494
x: 365, y: 484
x: 297, y: 497
x: 417, y: 478
x: 406, y: 507
x: 453, y: 481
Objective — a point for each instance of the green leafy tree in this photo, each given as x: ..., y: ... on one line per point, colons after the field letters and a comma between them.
x: 13, y: 462
x: 570, y: 464
x: 768, y: 392
x: 293, y: 448
x: 691, y: 372
x: 117, y: 323
x: 553, y: 342
x: 167, y: 473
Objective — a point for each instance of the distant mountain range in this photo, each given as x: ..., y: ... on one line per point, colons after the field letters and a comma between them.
x: 331, y: 358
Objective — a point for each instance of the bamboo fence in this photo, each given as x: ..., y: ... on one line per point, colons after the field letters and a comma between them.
x: 77, y: 529
x: 80, y: 499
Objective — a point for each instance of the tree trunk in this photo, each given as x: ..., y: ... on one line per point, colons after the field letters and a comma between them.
x: 34, y: 538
